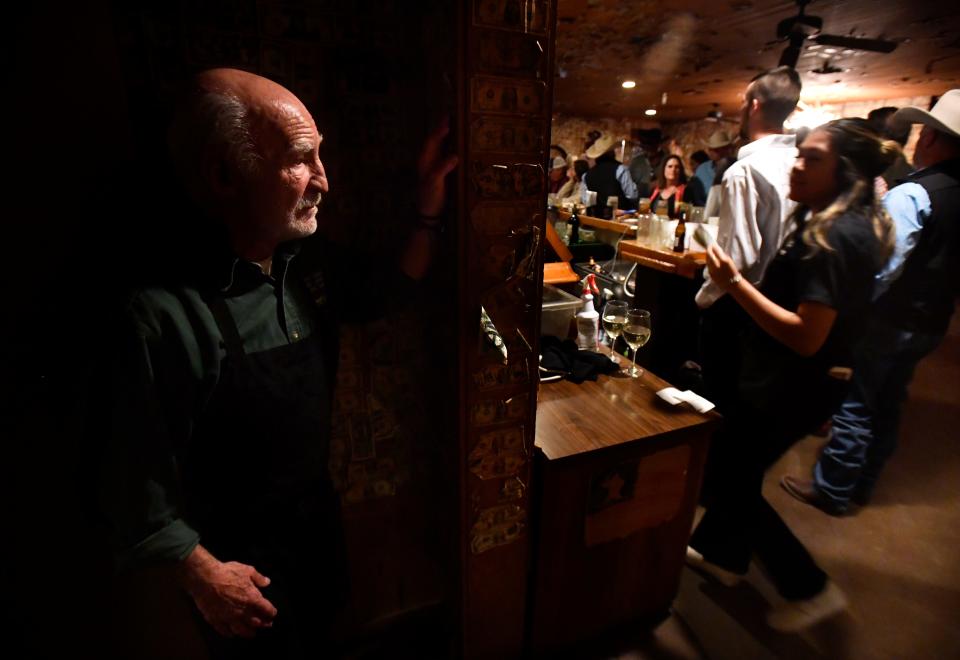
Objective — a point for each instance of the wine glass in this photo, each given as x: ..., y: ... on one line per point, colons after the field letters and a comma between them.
x: 636, y: 332
x: 614, y: 316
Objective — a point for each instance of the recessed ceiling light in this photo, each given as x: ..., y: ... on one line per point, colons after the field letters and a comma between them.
x: 628, y: 84
x: 830, y: 50
x: 650, y: 112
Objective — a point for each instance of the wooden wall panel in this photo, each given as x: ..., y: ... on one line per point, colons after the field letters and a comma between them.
x: 507, y: 64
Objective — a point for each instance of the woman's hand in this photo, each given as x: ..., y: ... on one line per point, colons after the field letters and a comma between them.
x: 722, y: 270
x: 803, y: 331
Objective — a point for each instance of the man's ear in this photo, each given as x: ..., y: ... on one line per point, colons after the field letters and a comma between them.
x: 220, y: 176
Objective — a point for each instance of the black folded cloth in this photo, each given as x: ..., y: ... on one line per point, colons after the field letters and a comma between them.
x: 563, y: 357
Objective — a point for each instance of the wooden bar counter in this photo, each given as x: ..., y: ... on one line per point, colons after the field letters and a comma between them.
x: 625, y: 228
x: 619, y: 474
x: 686, y: 264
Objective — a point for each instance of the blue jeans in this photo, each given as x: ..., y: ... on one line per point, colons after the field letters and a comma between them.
x: 865, y: 428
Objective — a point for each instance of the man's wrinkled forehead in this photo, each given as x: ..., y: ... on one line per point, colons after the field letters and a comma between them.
x: 283, y: 127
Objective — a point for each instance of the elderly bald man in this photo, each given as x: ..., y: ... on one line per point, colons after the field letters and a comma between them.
x: 221, y: 413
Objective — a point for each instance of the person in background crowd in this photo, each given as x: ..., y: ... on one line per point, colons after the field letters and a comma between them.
x: 608, y: 177
x: 881, y: 119
x: 570, y: 191
x: 576, y: 173
x: 592, y: 137
x: 558, y: 174
x: 723, y: 154
x: 913, y: 305
x: 808, y: 311
x: 556, y: 151
x: 641, y: 171
x: 702, y: 179
x: 671, y: 184
x: 754, y: 219
x: 698, y: 158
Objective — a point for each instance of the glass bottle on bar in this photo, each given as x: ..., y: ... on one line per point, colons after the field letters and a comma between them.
x: 574, y: 226
x: 679, y: 235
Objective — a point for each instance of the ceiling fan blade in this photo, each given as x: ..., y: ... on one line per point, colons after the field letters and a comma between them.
x: 788, y: 25
x: 790, y: 56
x: 876, y: 45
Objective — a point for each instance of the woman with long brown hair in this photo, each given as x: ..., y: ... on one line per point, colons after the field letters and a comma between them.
x: 671, y: 183
x: 808, y: 312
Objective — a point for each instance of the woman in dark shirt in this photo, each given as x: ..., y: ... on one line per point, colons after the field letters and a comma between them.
x: 808, y: 312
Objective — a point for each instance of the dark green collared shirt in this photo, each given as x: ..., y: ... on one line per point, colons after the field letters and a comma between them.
x: 166, y: 368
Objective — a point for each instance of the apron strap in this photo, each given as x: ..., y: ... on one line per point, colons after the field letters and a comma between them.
x: 228, y: 327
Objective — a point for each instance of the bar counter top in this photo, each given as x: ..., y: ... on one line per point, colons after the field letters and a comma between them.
x: 574, y: 419
x: 686, y: 264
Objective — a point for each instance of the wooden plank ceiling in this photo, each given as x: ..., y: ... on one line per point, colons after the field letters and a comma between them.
x: 700, y: 53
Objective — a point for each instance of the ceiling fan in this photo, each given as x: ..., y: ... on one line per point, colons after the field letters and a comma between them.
x: 716, y: 115
x: 797, y: 29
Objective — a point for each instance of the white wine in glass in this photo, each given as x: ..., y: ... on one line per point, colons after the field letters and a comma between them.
x: 613, y: 319
x: 636, y: 332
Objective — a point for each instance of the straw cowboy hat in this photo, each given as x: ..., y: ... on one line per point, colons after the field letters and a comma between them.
x: 944, y: 116
x: 602, y: 145
x: 719, y: 139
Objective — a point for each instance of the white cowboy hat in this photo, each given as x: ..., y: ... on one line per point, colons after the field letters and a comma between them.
x: 944, y: 116
x: 719, y: 139
x: 602, y: 145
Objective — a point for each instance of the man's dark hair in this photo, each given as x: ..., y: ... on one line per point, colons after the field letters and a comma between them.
x: 699, y: 157
x: 581, y: 167
x: 778, y: 91
x: 879, y: 120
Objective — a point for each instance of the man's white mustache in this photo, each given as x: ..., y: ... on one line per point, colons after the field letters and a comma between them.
x: 307, y: 202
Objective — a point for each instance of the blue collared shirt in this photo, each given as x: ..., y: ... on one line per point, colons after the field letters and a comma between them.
x: 706, y: 172
x: 909, y: 206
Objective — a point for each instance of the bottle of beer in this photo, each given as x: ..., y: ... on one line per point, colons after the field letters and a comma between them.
x: 574, y: 229
x: 680, y: 233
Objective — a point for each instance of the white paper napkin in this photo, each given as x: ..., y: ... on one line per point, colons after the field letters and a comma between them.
x: 673, y: 396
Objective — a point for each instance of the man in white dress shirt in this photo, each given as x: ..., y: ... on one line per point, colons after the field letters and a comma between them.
x: 754, y: 219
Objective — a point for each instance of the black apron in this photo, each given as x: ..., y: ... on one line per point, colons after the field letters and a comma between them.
x: 257, y: 487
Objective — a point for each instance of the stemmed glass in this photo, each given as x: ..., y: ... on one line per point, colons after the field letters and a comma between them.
x: 614, y: 316
x: 636, y: 332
